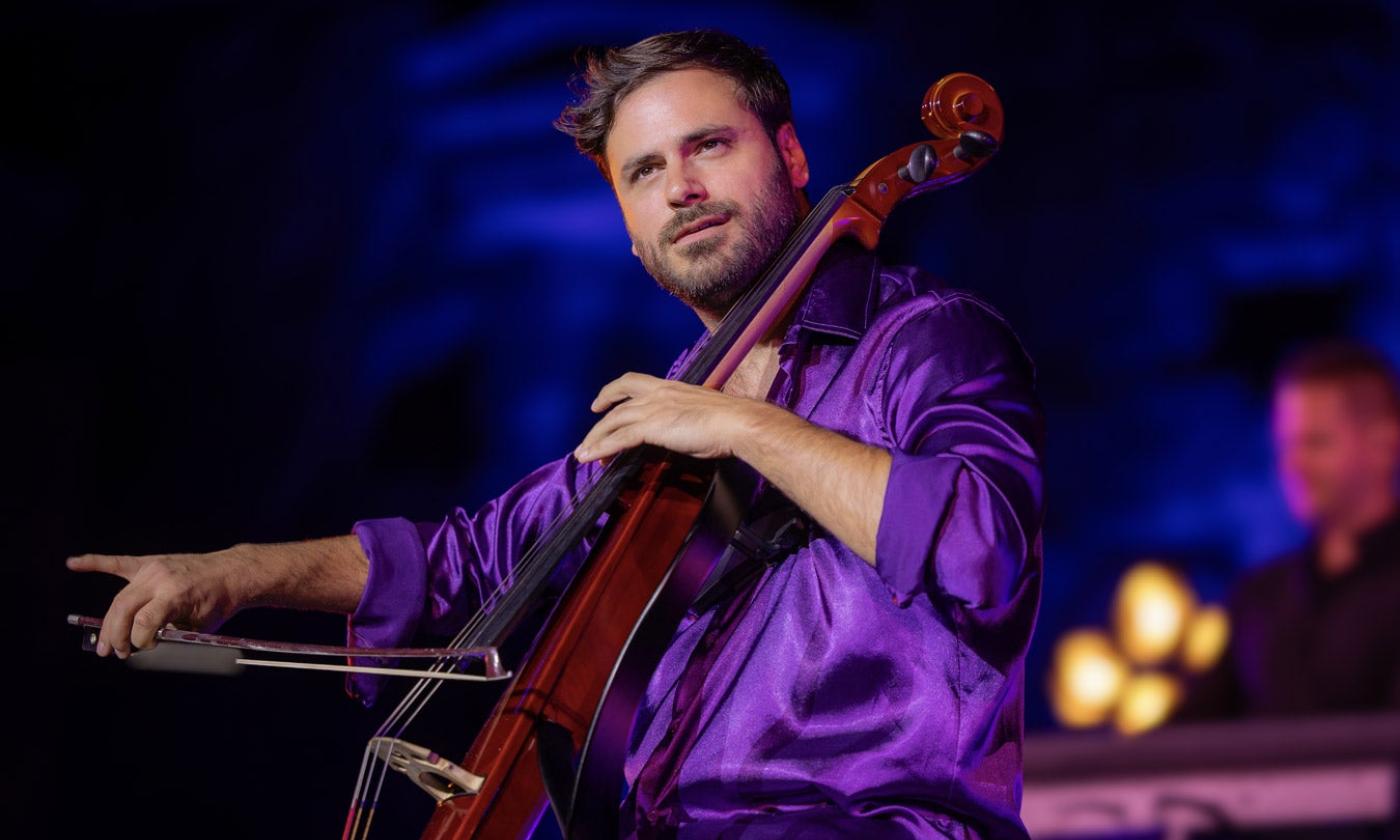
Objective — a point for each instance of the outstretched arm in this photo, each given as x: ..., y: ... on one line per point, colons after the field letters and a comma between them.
x: 203, y: 590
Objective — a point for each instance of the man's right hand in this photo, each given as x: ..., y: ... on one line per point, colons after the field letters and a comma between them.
x: 202, y: 591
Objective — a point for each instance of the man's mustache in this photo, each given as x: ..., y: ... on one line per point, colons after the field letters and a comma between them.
x: 686, y: 215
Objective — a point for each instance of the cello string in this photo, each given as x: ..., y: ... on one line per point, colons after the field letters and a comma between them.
x: 531, y: 566
x: 356, y: 804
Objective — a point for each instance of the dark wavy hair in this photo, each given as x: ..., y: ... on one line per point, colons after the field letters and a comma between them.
x: 611, y: 74
x: 1371, y: 380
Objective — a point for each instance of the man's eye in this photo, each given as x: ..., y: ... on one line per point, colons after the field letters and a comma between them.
x: 711, y: 143
x: 641, y: 172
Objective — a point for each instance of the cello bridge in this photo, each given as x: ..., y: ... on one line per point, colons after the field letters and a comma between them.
x: 439, y: 778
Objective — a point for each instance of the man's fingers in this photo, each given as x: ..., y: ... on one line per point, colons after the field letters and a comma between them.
x: 116, y: 625
x: 147, y: 622
x: 617, y: 442
x: 611, y: 395
x: 616, y: 434
x: 111, y: 564
x: 615, y: 419
x: 626, y: 386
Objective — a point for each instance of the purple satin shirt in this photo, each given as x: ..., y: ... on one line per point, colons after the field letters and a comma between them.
x: 833, y: 698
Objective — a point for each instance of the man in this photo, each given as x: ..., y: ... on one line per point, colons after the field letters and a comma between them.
x: 1318, y: 630
x: 869, y: 681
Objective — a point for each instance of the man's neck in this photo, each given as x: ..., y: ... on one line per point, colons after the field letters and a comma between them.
x: 712, y: 321
x: 756, y: 371
x: 1338, y: 542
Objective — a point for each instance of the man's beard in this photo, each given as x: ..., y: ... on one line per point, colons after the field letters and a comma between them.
x: 699, y: 273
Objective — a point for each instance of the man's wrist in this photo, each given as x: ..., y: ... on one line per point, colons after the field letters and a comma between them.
x: 327, y: 574
x: 758, y: 427
x: 256, y: 575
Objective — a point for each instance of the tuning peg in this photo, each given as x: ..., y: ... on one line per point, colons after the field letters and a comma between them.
x: 973, y: 145
x: 922, y: 161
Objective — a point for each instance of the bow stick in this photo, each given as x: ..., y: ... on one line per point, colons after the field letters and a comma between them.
x: 488, y: 655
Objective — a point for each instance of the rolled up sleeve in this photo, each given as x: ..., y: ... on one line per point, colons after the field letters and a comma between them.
x: 963, y: 504
x: 426, y: 579
x: 392, y: 603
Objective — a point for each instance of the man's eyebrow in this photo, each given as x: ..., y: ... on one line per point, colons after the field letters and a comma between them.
x: 638, y: 161
x: 645, y: 158
x: 705, y: 131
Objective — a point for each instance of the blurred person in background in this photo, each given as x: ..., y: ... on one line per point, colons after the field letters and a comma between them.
x: 1317, y: 630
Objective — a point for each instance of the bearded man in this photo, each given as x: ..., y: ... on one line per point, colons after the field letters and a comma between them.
x: 868, y: 682
x: 1315, y: 631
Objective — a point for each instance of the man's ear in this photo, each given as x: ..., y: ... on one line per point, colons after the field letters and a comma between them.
x: 634, y: 251
x: 1385, y: 436
x: 794, y: 158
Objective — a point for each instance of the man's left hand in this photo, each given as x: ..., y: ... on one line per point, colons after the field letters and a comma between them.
x: 688, y: 419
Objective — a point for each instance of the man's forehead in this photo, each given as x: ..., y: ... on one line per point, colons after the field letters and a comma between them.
x: 1309, y: 394
x: 1324, y: 402
x: 668, y: 108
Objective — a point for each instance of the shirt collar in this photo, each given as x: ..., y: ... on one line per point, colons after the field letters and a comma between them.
x: 1381, y: 541
x: 1378, y: 546
x: 842, y: 292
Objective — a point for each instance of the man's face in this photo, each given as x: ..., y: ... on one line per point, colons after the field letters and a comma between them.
x: 1331, y: 459
x: 706, y: 197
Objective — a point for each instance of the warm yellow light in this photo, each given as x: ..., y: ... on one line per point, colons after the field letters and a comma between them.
x: 1147, y: 701
x: 1206, y: 635
x: 1086, y: 677
x: 1150, y: 610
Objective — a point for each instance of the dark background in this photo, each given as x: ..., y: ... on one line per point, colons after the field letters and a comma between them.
x: 273, y: 268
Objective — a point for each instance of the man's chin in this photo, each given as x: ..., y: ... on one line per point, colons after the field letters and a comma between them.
x: 715, y: 299
x: 705, y: 250
x: 1313, y: 513
x: 712, y: 295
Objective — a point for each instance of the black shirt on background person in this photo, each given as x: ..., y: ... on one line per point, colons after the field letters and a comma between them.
x: 1302, y: 643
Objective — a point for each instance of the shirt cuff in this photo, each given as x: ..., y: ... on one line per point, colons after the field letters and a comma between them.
x: 916, y: 504
x: 392, y: 604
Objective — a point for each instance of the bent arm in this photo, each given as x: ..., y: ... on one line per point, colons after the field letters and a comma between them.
x: 838, y: 481
x: 953, y: 504
x: 964, y: 503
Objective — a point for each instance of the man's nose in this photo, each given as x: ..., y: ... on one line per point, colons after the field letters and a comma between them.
x: 682, y: 187
x: 1290, y: 462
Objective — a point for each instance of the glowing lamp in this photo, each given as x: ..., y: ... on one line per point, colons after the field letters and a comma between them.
x: 1151, y: 608
x: 1206, y: 635
x: 1086, y: 678
x: 1147, y: 701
